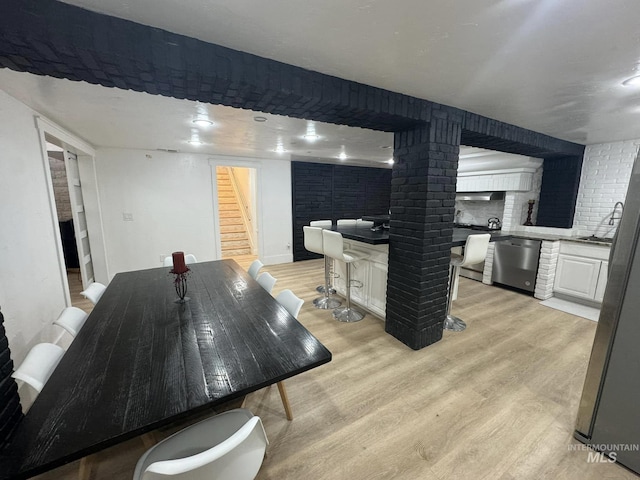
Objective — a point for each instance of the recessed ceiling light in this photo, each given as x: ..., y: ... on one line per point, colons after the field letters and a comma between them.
x: 202, y: 122
x: 195, y: 141
x: 633, y: 81
x: 390, y: 161
x: 260, y: 119
x: 342, y: 156
x: 311, y: 137
x: 384, y: 147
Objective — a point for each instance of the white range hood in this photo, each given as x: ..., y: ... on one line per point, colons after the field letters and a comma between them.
x: 489, y: 171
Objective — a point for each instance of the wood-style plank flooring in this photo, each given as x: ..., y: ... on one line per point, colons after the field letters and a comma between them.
x: 497, y: 401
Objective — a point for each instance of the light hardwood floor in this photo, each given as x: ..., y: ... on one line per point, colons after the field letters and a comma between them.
x: 497, y: 401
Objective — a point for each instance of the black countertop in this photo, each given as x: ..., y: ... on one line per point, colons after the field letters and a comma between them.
x: 364, y: 235
x: 381, y: 237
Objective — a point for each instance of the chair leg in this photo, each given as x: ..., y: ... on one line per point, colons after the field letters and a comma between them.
x: 452, y: 322
x: 348, y: 314
x: 285, y: 401
x: 325, y: 302
x: 87, y: 466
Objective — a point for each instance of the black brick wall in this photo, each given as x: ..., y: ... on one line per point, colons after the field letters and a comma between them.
x: 559, y: 191
x: 10, y: 409
x: 422, y: 207
x: 483, y: 132
x: 330, y: 192
x: 47, y: 37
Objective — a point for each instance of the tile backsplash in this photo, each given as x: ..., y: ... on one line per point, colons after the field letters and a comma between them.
x: 477, y: 213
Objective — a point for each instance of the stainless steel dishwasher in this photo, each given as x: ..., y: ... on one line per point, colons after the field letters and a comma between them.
x: 515, y: 263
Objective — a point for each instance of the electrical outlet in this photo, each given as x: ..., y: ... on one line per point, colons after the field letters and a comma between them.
x: 127, y: 217
x: 288, y: 246
x: 162, y: 257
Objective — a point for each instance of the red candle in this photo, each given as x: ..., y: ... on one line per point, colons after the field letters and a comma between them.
x: 178, y: 263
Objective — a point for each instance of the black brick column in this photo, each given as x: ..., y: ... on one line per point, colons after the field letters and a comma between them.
x: 559, y: 191
x: 10, y: 409
x: 423, y: 189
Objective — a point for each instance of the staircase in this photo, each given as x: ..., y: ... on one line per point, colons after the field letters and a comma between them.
x: 234, y: 239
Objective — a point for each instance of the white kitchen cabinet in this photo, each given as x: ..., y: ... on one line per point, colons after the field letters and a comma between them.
x: 581, y: 271
x: 371, y: 272
x: 577, y: 276
x: 377, y: 301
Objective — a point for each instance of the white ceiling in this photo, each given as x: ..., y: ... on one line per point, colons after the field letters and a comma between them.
x: 550, y: 66
x: 110, y: 117
x: 553, y: 66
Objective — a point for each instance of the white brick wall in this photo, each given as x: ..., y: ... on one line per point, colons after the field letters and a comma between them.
x: 488, y: 265
x: 478, y: 212
x: 516, y: 204
x: 605, y: 176
x: 547, y: 269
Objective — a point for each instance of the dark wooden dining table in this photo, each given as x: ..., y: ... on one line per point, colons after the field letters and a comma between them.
x: 142, y: 361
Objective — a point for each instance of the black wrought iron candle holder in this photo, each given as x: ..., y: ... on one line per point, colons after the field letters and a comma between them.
x: 180, y: 283
x: 528, y: 221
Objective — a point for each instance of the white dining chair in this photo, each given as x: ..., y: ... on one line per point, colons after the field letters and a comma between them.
x: 93, y: 292
x: 71, y: 319
x: 188, y: 258
x: 38, y: 365
x: 228, y: 446
x: 266, y: 281
x: 290, y: 301
x: 292, y: 304
x: 254, y: 268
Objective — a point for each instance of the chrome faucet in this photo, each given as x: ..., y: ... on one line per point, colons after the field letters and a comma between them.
x: 613, y: 214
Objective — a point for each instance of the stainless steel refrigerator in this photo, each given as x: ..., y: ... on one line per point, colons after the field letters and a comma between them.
x: 609, y: 412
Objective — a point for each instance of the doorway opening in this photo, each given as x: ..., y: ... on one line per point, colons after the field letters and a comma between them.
x: 72, y: 223
x: 237, y: 213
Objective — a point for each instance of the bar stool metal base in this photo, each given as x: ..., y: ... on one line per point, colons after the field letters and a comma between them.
x: 320, y: 289
x: 454, y: 324
x: 451, y: 322
x: 326, y: 303
x: 347, y: 314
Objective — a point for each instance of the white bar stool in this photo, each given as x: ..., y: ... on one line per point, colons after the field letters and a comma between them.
x: 347, y: 222
x: 364, y: 223
x: 334, y: 247
x: 313, y: 242
x: 475, y: 251
x: 327, y: 261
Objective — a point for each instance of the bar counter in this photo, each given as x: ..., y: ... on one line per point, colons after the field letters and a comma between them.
x: 372, y: 271
x: 381, y: 237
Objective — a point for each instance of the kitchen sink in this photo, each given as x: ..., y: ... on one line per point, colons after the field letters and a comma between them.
x: 593, y: 238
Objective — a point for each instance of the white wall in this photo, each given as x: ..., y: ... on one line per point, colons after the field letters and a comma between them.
x: 606, y: 170
x: 170, y: 199
x: 31, y: 288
